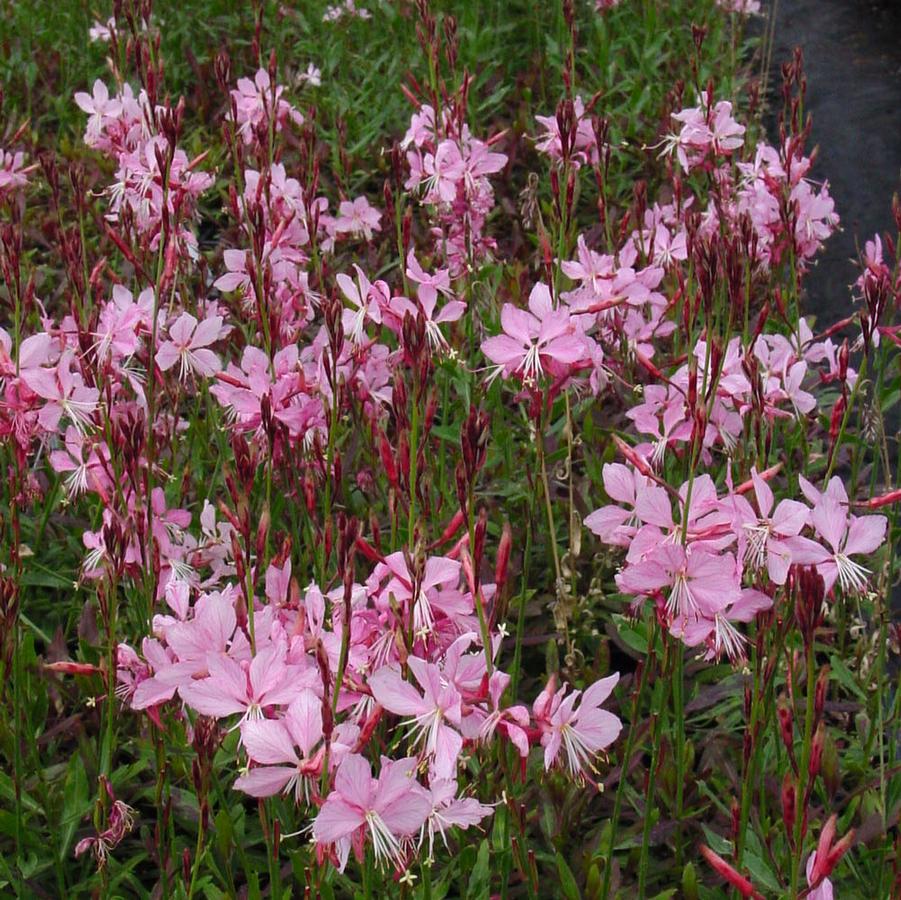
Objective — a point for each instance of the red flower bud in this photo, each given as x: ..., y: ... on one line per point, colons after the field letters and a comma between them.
x: 738, y: 881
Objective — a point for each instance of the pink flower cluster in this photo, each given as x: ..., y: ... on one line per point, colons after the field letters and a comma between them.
x: 718, y: 559
x: 788, y: 213
x: 450, y: 168
x: 306, y: 710
x: 742, y: 7
x: 258, y: 105
x: 348, y: 8
x: 584, y: 144
x: 152, y: 173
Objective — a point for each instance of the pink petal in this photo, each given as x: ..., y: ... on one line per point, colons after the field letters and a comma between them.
x: 830, y: 519
x: 652, y: 506
x: 207, y: 697
x: 304, y: 720
x: 519, y: 324
x: 267, y: 741
x: 337, y: 819
x: 407, y: 814
x: 598, y: 692
x: 396, y: 695
x: 503, y: 350
x: 598, y: 728
x: 619, y: 483
x: 265, y: 781
x: 866, y: 534
x: 167, y: 356
x: 354, y: 779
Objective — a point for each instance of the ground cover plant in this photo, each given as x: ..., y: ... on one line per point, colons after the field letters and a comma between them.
x: 426, y: 474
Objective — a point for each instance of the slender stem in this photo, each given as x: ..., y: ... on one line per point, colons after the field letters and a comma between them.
x: 552, y: 530
x: 679, y: 749
x: 801, y: 797
x: 658, y: 712
x: 414, y: 463
x: 523, y: 597
x: 620, y: 786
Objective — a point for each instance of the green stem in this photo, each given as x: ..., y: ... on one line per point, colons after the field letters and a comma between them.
x: 801, y: 796
x: 658, y: 713
x: 620, y: 787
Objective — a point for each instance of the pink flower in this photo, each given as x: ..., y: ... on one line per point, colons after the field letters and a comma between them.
x: 437, y: 593
x: 65, y: 393
x: 581, y: 733
x: 699, y: 581
x: 389, y: 809
x: 364, y: 296
x: 769, y: 536
x: 101, y: 32
x: 357, y: 218
x: 715, y: 629
x: 448, y: 810
x: 431, y: 713
x: 233, y: 687
x: 187, y: 345
x: 100, y: 108
x: 613, y: 524
x: 273, y: 743
x: 257, y: 102
x: 312, y: 76
x: 86, y: 465
x: 535, y: 341
x: 13, y: 174
x: 845, y: 536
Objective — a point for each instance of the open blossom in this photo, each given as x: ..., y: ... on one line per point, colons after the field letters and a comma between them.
x: 582, y: 731
x: 100, y: 107
x: 188, y: 346
x: 845, y: 536
x: 366, y: 297
x: 256, y: 103
x: 535, y: 342
x: 84, y: 463
x: 709, y: 129
x: 312, y: 76
x: 66, y: 394
x: 274, y: 744
x: 429, y: 286
x: 714, y: 628
x: 358, y: 218
x: 388, y: 810
x: 233, y: 687
x: 695, y: 582
x: 617, y: 524
x: 767, y: 537
x: 432, y: 714
x: 13, y: 173
x: 101, y: 32
x: 449, y: 811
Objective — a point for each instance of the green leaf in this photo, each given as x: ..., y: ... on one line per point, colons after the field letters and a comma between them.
x: 760, y: 872
x: 846, y: 678
x: 718, y: 844
x: 76, y: 803
x: 480, y: 878
x: 568, y: 885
